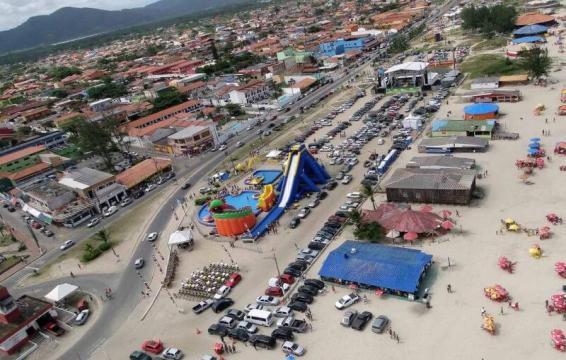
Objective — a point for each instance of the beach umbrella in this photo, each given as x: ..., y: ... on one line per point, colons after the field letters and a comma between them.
x: 446, y: 214
x: 535, y: 139
x: 447, y: 225
x: 410, y: 236
x: 353, y: 286
x: 426, y: 208
x: 514, y: 227
x: 509, y: 221
x: 393, y: 234
x: 410, y: 221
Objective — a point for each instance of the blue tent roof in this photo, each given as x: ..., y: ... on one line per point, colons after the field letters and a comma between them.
x: 528, y: 39
x: 531, y: 30
x: 481, y: 108
x: 376, y: 265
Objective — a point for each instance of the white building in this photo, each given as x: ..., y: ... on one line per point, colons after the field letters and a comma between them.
x: 252, y: 92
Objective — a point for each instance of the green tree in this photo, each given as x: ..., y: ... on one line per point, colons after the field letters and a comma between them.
x: 61, y: 72
x: 102, y: 235
x: 59, y: 93
x: 107, y: 89
x: 234, y: 109
x: 23, y: 131
x: 168, y: 97
x: 536, y: 61
x: 314, y: 29
x: 399, y: 43
x: 371, y: 232
x: 368, y: 192
x: 96, y: 137
x: 489, y: 19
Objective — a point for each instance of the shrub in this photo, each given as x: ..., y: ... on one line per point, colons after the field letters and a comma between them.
x: 202, y: 200
x: 104, y: 246
x: 90, y: 255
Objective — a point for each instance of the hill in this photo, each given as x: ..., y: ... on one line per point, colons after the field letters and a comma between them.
x: 71, y: 23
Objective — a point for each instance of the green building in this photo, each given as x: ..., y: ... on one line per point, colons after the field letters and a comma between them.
x: 476, y: 128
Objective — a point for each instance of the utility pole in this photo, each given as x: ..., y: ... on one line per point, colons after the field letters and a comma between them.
x: 277, y: 266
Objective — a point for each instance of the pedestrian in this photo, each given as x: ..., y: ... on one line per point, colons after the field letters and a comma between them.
x: 234, y: 347
x: 222, y: 339
x: 397, y: 338
x: 546, y: 120
x: 143, y: 294
x: 79, y: 265
x: 483, y: 312
x: 546, y: 304
x: 72, y: 275
x: 449, y: 262
x: 449, y: 288
x: 501, y: 311
x: 255, y: 348
x: 457, y: 213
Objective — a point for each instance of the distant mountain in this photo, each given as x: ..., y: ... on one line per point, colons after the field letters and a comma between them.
x: 71, y: 23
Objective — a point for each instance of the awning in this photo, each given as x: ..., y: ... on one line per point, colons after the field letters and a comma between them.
x: 181, y: 237
x: 61, y: 291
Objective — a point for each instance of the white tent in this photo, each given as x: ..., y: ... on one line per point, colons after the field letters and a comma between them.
x: 60, y: 292
x: 181, y: 237
x: 273, y: 154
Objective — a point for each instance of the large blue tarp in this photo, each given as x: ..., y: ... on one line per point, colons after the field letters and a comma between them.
x: 530, y: 30
x: 528, y: 39
x: 375, y: 265
x: 482, y: 108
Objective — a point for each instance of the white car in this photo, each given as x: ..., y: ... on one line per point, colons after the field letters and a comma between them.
x: 286, y: 321
x: 251, y: 307
x: 110, y: 211
x: 223, y: 147
x: 81, y: 317
x: 249, y: 327
x: 303, y: 213
x: 172, y: 353
x: 346, y: 301
x: 347, y: 179
x: 267, y: 300
x: 222, y: 292
x: 93, y: 222
x: 354, y: 195
x: 67, y: 244
x: 150, y: 187
x: 290, y: 347
x: 151, y: 237
x: 283, y: 312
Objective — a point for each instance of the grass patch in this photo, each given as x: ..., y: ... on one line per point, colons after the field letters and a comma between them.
x: 8, y: 263
x: 489, y: 65
x: 6, y: 240
x: 491, y: 44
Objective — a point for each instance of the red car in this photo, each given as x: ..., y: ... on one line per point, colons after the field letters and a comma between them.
x: 153, y: 346
x: 274, y: 291
x: 54, y: 329
x: 287, y: 279
x: 233, y: 280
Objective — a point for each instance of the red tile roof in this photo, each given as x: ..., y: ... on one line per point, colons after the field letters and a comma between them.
x: 142, y: 171
x: 8, y: 158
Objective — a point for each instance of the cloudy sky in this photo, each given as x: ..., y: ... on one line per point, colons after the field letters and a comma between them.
x: 15, y: 12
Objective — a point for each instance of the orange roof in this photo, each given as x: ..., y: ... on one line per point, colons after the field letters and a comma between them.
x: 142, y: 171
x: 533, y: 18
x: 305, y: 83
x: 30, y: 170
x: 8, y: 158
x: 162, y: 113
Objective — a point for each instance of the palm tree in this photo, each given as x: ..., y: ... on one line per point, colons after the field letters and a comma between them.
x: 356, y: 217
x: 103, y: 235
x: 368, y: 191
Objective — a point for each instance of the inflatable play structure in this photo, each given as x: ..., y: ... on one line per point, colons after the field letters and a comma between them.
x: 230, y: 221
x: 266, y: 199
x: 302, y: 174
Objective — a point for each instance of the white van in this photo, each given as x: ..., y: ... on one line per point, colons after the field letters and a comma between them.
x: 260, y: 317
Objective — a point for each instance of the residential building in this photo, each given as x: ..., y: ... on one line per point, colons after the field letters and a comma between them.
x: 451, y: 128
x: 98, y: 187
x: 49, y: 140
x: 252, y: 92
x: 191, y: 106
x: 194, y: 139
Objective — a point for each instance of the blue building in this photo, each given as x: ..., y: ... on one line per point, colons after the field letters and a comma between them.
x: 395, y: 270
x: 341, y: 46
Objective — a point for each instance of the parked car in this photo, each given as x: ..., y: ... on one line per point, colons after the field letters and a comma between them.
x: 228, y: 321
x: 235, y: 314
x: 202, y: 306
x: 267, y: 300
x: 347, y: 179
x: 283, y: 333
x: 274, y: 291
x: 292, y: 271
x: 233, y: 280
x: 314, y: 203
x: 315, y: 283
x: 222, y: 292
x: 282, y: 312
x: 172, y: 353
x: 138, y: 355
x: 93, y: 222
x: 304, y: 212
x: 153, y: 346
x: 47, y: 232
x: 238, y: 334
x: 380, y: 324
x: 247, y: 326
x: 218, y: 329
x: 300, y: 296
x: 110, y: 211
x: 186, y: 186
x: 354, y: 195
x: 298, y: 306
x: 308, y: 290
x: 262, y: 341
x: 67, y: 244
x: 361, y: 320
x: 289, y: 347
x: 222, y: 304
x: 150, y: 187
x: 346, y: 301
x: 295, y: 221
x: 127, y: 201
x: 348, y: 317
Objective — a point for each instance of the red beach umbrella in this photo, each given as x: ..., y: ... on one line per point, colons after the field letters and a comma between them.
x: 447, y: 225
x: 445, y: 214
x: 411, y: 221
x: 410, y: 236
x: 426, y: 208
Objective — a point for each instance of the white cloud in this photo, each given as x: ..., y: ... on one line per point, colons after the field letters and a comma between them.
x: 15, y: 12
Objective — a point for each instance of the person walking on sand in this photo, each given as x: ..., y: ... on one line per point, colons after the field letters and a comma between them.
x: 449, y: 288
x: 483, y: 312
